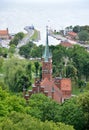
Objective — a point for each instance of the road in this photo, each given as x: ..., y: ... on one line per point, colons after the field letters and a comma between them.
x: 59, y: 37
x: 25, y: 40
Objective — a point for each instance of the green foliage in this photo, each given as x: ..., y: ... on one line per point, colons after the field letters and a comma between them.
x: 83, y: 35
x: 14, y: 113
x: 18, y: 121
x: 3, y: 52
x: 43, y: 108
x: 1, y: 63
x: 86, y: 28
x: 83, y: 101
x: 26, y: 50
x: 71, y: 113
x: 31, y: 50
x: 15, y: 75
x: 36, y: 67
x: 34, y: 37
x: 76, y: 29
x: 71, y: 71
x: 10, y: 103
x: 12, y: 49
x: 29, y: 70
x: 19, y: 36
x: 77, y: 60
x: 79, y: 57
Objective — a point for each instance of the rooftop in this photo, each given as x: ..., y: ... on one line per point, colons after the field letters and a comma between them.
x: 66, y: 44
x: 72, y: 34
x: 4, y: 32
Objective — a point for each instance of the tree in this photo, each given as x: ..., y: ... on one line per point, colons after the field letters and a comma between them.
x: 86, y: 28
x: 44, y: 108
x: 83, y: 36
x: 86, y: 69
x: 12, y: 49
x: 3, y: 52
x: 15, y: 75
x: 71, y: 113
x: 29, y: 70
x: 37, y: 67
x: 20, y: 121
x: 83, y: 102
x: 76, y: 29
x: 71, y: 71
x: 25, y: 50
x: 1, y: 63
x: 79, y: 56
x: 19, y: 36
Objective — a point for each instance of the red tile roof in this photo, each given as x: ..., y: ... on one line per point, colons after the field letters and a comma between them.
x: 65, y: 84
x: 66, y: 44
x: 48, y: 87
x: 3, y: 32
x: 72, y: 34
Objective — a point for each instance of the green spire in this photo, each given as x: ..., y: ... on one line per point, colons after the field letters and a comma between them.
x: 47, y: 53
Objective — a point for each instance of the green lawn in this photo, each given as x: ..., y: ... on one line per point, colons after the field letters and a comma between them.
x: 76, y: 90
x: 35, y: 35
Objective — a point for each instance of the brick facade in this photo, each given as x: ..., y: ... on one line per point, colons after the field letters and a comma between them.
x: 47, y: 69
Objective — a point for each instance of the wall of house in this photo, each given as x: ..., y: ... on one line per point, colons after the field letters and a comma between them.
x: 65, y: 87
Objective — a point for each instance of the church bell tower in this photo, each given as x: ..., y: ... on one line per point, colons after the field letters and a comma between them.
x: 47, y: 61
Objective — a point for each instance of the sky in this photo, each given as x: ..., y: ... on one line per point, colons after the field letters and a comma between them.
x: 57, y: 14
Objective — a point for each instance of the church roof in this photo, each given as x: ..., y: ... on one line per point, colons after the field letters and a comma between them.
x: 49, y: 86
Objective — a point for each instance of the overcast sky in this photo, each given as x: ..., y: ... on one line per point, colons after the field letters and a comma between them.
x: 16, y: 14
x: 59, y: 1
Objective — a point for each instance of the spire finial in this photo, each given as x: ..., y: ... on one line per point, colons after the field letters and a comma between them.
x: 46, y: 35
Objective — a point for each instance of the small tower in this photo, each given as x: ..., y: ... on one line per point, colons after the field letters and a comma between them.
x: 47, y: 61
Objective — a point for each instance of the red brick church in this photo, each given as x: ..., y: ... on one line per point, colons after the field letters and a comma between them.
x: 58, y: 88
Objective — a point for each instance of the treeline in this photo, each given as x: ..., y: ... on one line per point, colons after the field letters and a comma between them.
x: 67, y: 62
x: 15, y: 114
x: 82, y: 31
x: 70, y: 62
x: 40, y: 112
x: 17, y: 74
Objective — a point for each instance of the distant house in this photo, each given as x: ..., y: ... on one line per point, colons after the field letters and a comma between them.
x: 72, y: 35
x: 4, y: 34
x: 58, y: 88
x: 66, y: 44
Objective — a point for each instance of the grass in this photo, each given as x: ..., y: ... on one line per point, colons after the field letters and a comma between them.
x: 76, y: 90
x: 34, y: 36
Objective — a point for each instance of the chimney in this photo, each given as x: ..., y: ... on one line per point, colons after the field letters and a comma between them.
x: 30, y: 92
x: 42, y: 89
x: 46, y: 93
x: 27, y: 97
x: 34, y: 88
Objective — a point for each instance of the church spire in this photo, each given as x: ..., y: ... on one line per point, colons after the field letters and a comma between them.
x: 47, y: 53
